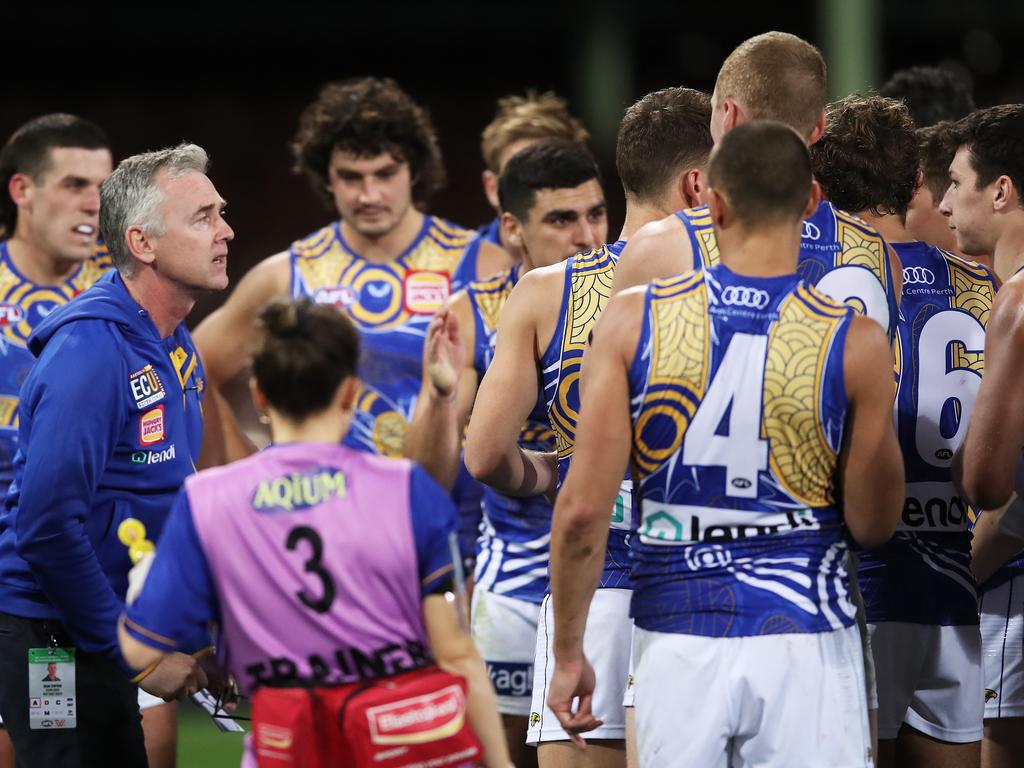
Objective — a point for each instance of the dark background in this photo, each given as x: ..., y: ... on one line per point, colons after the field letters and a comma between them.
x: 234, y: 80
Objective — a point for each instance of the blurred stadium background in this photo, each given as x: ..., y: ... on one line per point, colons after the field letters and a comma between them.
x: 234, y: 79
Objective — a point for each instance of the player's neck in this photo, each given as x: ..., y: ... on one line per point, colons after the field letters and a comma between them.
x: 762, y: 252
x: 890, y: 227
x: 390, y: 245
x: 167, y: 304
x: 328, y: 427
x: 36, y: 264
x: 1008, y: 255
x: 639, y: 214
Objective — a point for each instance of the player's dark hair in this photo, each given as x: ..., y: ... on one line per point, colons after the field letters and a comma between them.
x: 366, y: 117
x: 995, y: 139
x: 937, y: 146
x: 932, y: 94
x: 303, y: 352
x: 664, y: 134
x: 28, y: 152
x: 548, y: 165
x: 763, y: 169
x: 867, y: 158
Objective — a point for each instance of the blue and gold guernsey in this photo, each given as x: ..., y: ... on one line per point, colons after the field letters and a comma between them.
x: 391, y: 305
x: 739, y: 403
x: 512, y: 551
x: 588, y: 287
x: 840, y: 255
x: 23, y: 304
x: 923, y: 574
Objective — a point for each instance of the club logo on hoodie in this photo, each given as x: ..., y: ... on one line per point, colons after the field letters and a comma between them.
x: 146, y: 387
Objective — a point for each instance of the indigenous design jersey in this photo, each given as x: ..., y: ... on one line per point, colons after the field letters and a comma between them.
x: 512, y: 552
x: 491, y: 232
x: 840, y: 255
x: 588, y: 286
x: 391, y: 304
x: 23, y: 304
x: 923, y: 574
x: 738, y: 408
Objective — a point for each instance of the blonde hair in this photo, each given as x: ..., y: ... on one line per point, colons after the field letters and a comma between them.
x: 536, y: 116
x: 776, y: 76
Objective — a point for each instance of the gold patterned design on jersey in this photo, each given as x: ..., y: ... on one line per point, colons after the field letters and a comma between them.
x: 321, y: 260
x: 8, y: 412
x: 860, y: 247
x: 973, y: 292
x: 678, y: 369
x: 490, y: 296
x: 589, y: 292
x: 798, y: 344
x: 680, y: 333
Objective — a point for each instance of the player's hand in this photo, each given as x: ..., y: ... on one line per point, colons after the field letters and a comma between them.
x: 221, y: 684
x: 177, y: 676
x: 443, y: 354
x: 572, y: 680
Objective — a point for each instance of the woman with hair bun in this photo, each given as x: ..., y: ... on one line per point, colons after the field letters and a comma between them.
x: 329, y: 573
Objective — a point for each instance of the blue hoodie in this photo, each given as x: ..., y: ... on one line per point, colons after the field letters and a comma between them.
x: 110, y: 424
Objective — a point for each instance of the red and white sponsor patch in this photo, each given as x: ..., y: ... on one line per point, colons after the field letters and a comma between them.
x: 418, y: 719
x: 151, y: 426
x: 426, y: 292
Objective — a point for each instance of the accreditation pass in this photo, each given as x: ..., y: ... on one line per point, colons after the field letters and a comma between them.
x: 51, y: 688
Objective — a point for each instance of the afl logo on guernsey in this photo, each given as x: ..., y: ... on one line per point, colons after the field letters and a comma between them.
x: 918, y: 276
x: 426, y: 292
x: 146, y: 387
x: 151, y: 426
x: 11, y: 314
x: 742, y: 296
x: 811, y: 231
x: 341, y: 296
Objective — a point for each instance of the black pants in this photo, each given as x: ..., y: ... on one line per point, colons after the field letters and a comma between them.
x: 109, y: 731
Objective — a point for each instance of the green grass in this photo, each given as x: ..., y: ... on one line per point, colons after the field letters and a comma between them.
x: 202, y: 745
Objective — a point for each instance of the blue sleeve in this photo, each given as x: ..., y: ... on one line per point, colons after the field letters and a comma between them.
x: 178, y: 602
x: 468, y: 497
x: 433, y: 529
x: 73, y: 410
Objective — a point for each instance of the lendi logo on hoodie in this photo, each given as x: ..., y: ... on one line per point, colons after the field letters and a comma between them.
x: 146, y: 387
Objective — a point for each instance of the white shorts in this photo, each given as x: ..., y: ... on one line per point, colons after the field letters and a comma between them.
x: 505, y: 631
x: 629, y: 697
x: 148, y: 700
x: 606, y: 643
x: 775, y: 701
x: 1002, y: 649
x: 930, y: 678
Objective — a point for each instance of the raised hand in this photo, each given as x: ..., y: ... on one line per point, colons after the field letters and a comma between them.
x: 443, y: 354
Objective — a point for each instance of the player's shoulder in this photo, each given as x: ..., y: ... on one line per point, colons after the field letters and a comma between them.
x: 1006, y: 316
x: 315, y: 244
x: 848, y: 221
x: 448, y: 235
x: 675, y: 285
x: 669, y: 227
x: 821, y: 303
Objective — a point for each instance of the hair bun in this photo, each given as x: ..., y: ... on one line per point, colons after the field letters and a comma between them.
x: 283, y: 318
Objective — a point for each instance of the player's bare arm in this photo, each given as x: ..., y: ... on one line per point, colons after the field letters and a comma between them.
x: 579, y: 528
x: 992, y: 448
x: 897, y: 272
x: 224, y: 340
x: 506, y: 396
x: 659, y: 249
x: 871, y: 465
x: 447, y: 392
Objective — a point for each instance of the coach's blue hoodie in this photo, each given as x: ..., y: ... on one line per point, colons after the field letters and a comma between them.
x: 109, y: 427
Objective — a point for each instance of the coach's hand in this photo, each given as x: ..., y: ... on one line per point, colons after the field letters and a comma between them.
x: 573, y: 679
x: 443, y: 354
x: 176, y: 676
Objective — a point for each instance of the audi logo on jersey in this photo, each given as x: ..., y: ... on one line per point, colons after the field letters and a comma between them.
x: 918, y: 276
x: 742, y: 296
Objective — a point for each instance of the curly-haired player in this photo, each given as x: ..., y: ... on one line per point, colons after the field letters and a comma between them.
x: 371, y: 152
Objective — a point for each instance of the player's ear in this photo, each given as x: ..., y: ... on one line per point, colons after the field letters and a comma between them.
x: 718, y: 206
x: 140, y: 243
x: 1004, y: 195
x: 691, y: 188
x: 732, y: 115
x: 20, y: 189
x: 490, y: 180
x: 512, y: 230
x: 814, y: 200
x: 918, y: 186
x: 817, y: 130
x: 347, y: 392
